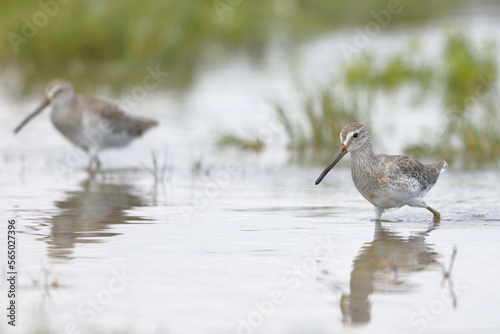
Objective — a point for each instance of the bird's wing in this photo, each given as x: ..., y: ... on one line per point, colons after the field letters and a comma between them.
x: 113, y: 118
x: 415, y: 170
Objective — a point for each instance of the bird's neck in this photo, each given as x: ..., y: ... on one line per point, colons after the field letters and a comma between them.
x: 363, y: 158
x: 64, y: 104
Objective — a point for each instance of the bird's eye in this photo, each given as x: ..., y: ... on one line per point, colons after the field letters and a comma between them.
x: 355, y: 135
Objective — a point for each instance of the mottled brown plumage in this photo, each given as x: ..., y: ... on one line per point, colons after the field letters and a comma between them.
x: 386, y: 181
x: 118, y: 120
x: 89, y: 123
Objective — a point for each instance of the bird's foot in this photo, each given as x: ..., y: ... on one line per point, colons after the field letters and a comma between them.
x: 384, y: 221
x: 437, y: 215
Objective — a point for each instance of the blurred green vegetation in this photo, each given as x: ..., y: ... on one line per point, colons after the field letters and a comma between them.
x: 468, y: 76
x: 397, y: 70
x: 112, y: 42
x: 464, y: 77
x: 315, y: 130
x: 230, y: 139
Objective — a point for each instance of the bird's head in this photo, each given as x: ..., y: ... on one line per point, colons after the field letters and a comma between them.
x: 352, y: 137
x: 56, y: 90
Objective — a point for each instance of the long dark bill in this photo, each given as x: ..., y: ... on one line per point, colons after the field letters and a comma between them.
x: 337, y: 158
x: 33, y: 114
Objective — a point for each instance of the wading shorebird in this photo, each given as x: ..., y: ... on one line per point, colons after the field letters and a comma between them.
x: 386, y: 181
x: 89, y: 123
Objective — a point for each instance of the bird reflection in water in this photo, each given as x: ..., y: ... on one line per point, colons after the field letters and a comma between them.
x: 87, y: 215
x: 383, y: 266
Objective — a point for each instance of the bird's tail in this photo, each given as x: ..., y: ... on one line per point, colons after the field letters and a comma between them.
x: 441, y: 166
x: 437, y: 168
x: 142, y: 125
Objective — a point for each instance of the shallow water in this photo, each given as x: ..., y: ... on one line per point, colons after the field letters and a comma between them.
x: 233, y: 242
x: 263, y: 252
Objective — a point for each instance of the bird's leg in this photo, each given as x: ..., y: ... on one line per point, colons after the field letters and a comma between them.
x: 89, y: 166
x: 419, y: 203
x: 97, y: 163
x: 378, y: 213
x: 94, y: 159
x: 437, y: 215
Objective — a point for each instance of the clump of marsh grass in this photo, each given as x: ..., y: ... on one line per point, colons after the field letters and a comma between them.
x: 469, y: 70
x: 364, y: 72
x: 158, y: 168
x: 463, y: 143
x: 469, y: 78
x: 464, y: 77
x: 313, y: 131
x: 231, y: 139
